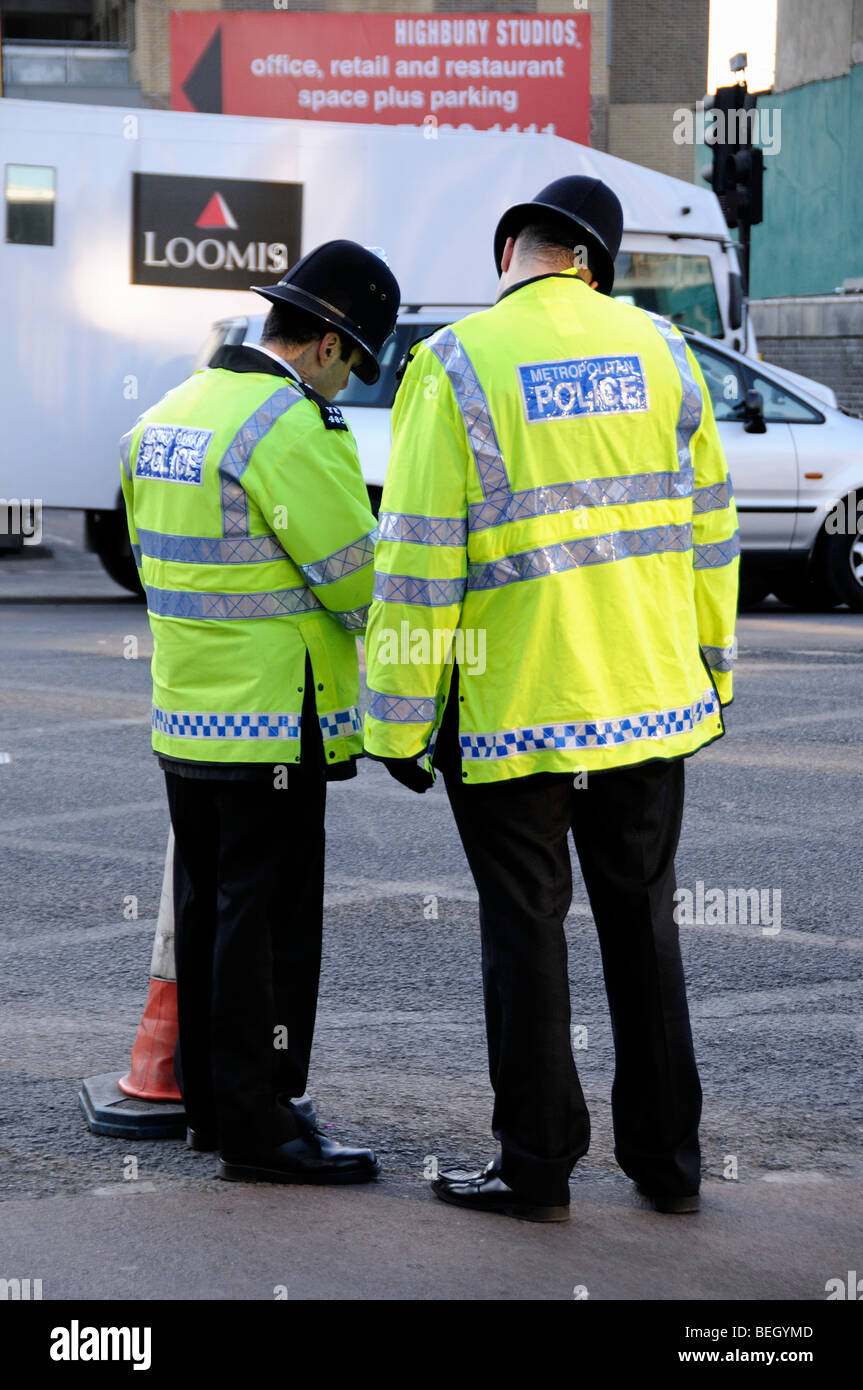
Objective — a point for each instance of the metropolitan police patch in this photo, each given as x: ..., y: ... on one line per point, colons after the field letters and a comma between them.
x: 173, y: 453
x: 579, y: 386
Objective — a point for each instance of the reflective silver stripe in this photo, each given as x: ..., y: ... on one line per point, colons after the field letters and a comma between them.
x: 474, y: 410
x: 235, y: 460
x: 126, y: 451
x: 713, y: 498
x: 176, y: 603
x: 210, y: 550
x: 689, y: 416
x: 402, y: 709
x: 216, y: 727
x: 405, y: 588
x: 136, y: 551
x: 422, y: 530
x: 715, y: 554
x: 354, y: 619
x: 342, y: 562
x: 719, y: 658
x: 589, y: 492
x: 594, y: 733
x: 569, y: 555
x: 340, y: 723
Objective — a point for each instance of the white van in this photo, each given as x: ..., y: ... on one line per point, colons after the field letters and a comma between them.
x: 129, y: 232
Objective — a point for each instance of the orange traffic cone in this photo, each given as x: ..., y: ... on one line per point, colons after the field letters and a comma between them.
x: 152, y: 1073
x: 146, y: 1102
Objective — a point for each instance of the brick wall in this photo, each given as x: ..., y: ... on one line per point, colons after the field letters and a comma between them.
x: 837, y: 362
x: 818, y: 335
x: 659, y: 50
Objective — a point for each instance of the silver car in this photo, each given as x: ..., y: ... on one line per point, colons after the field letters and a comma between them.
x: 796, y: 464
x: 795, y: 458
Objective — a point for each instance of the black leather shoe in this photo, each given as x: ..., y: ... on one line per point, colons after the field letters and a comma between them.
x: 311, y: 1158
x: 486, y: 1191
x: 671, y: 1206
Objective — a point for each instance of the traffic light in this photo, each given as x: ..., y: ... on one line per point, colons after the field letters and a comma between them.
x: 737, y: 173
x: 738, y: 166
x: 747, y: 175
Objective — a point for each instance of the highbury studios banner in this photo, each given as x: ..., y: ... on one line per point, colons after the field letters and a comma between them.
x: 477, y: 71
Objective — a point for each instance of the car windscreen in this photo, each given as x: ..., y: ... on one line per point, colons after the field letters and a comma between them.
x: 679, y: 288
x: 383, y: 393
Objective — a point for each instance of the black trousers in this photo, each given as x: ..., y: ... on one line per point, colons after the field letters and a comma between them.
x: 248, y: 887
x: 626, y: 826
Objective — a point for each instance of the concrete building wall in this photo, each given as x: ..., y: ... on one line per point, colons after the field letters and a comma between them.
x: 814, y: 41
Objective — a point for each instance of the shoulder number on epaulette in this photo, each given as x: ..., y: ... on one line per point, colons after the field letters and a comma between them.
x: 330, y: 414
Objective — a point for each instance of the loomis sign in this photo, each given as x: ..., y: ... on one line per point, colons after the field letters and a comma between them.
x: 477, y: 71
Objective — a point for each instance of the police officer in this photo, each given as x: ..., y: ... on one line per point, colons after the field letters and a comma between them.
x: 252, y: 528
x: 557, y: 506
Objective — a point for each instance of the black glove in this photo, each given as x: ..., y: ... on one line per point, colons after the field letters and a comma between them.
x: 409, y: 773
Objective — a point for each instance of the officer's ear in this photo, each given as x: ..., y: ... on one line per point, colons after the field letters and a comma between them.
x: 506, y: 258
x: 329, y: 349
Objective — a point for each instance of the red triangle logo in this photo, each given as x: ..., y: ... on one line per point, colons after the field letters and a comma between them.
x: 216, y: 214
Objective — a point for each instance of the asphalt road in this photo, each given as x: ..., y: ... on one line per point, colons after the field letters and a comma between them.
x: 399, y: 1056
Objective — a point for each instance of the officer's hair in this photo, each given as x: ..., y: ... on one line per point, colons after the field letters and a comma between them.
x: 554, y: 240
x: 287, y: 324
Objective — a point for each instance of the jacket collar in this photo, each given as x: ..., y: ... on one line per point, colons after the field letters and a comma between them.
x: 549, y: 275
x: 237, y: 357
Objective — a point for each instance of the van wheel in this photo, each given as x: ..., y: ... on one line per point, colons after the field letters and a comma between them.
x: 843, y: 566
x: 108, y: 535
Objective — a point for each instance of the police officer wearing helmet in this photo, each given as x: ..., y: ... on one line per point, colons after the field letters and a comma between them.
x: 557, y: 491
x: 252, y: 528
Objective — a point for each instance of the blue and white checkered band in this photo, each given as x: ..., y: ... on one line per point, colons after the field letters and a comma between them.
x: 172, y: 453
x: 578, y: 386
x: 689, y: 415
x: 179, y: 724
x: 595, y: 733
x: 341, y: 722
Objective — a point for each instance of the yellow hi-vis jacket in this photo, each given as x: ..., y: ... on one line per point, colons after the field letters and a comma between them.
x: 251, y: 525
x: 557, y: 519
